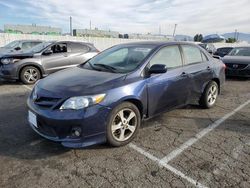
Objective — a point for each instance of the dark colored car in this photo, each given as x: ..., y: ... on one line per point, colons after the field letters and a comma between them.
x: 43, y: 59
x: 223, y: 51
x: 18, y: 45
x: 238, y: 62
x: 106, y: 99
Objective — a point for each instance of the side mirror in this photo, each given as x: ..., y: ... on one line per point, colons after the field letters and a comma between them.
x: 17, y: 48
x: 47, y: 52
x: 158, y: 69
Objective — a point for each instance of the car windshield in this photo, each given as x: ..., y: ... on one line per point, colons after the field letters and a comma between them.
x: 38, y: 48
x: 12, y: 44
x: 240, y: 52
x: 120, y: 59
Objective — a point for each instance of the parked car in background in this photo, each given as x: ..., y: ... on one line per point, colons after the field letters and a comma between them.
x: 105, y: 99
x: 209, y: 47
x: 44, y: 59
x: 222, y: 51
x: 238, y: 62
x: 18, y: 45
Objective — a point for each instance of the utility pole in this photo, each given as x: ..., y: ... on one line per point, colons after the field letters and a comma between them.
x: 235, y: 34
x: 90, y: 25
x: 237, y: 38
x: 159, y: 29
x: 175, y: 26
x: 70, y: 26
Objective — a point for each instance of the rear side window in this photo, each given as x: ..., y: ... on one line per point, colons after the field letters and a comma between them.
x: 169, y: 56
x: 77, y: 47
x: 192, y: 54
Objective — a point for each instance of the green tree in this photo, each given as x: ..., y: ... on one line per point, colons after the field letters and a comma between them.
x: 231, y: 40
x: 198, y: 37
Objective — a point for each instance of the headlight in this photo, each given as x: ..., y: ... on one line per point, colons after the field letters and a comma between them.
x: 6, y: 61
x: 76, y: 103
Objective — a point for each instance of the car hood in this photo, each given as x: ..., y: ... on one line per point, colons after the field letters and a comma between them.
x: 78, y: 82
x: 4, y: 51
x: 236, y: 59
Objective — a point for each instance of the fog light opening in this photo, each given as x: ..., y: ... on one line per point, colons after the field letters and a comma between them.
x: 76, y: 131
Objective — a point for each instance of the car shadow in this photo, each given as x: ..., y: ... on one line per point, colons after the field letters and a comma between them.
x: 9, y: 82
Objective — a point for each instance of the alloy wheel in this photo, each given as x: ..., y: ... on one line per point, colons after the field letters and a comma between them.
x: 124, y: 124
x: 212, y: 95
x: 31, y: 75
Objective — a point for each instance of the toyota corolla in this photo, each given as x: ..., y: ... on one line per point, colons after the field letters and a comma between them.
x: 106, y: 99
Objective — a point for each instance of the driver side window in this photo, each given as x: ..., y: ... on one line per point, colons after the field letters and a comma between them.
x: 169, y: 56
x: 59, y: 48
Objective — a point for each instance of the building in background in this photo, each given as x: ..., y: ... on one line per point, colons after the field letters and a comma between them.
x: 149, y: 36
x: 95, y: 33
x: 32, y: 29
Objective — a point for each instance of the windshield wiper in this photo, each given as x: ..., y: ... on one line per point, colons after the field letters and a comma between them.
x: 108, y: 67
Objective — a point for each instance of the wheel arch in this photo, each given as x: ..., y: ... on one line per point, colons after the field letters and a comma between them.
x: 132, y: 99
x: 217, y: 82
x: 30, y: 64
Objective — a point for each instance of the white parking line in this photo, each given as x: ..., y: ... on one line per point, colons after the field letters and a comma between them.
x: 167, y: 166
x: 199, y: 135
x: 27, y: 87
x: 164, y: 161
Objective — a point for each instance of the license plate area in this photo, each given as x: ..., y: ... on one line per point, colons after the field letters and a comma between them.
x: 32, y: 119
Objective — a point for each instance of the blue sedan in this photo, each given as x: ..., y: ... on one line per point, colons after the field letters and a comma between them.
x: 106, y: 98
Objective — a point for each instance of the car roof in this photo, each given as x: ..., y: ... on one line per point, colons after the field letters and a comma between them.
x: 158, y: 43
x: 79, y: 42
x: 30, y: 40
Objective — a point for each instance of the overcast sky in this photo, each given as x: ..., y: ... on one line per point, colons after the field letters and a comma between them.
x: 132, y: 16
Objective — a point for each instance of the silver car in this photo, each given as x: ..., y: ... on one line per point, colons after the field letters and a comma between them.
x: 44, y: 59
x: 18, y: 45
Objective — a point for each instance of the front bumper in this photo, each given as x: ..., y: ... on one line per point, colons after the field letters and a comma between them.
x: 8, y: 72
x: 238, y: 72
x: 57, y: 125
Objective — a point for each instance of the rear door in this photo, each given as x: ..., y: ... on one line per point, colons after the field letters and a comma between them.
x: 170, y: 89
x: 58, y: 60
x: 199, y: 69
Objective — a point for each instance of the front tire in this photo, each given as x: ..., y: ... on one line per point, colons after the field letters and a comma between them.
x: 210, y: 94
x: 123, y: 124
x: 30, y: 75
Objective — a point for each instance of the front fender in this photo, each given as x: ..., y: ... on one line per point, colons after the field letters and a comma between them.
x: 136, y: 91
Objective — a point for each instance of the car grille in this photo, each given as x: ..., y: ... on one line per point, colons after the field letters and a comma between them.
x: 46, y: 102
x: 237, y: 66
x: 53, y: 130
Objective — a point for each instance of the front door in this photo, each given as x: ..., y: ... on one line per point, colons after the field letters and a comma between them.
x: 170, y: 89
x: 58, y: 60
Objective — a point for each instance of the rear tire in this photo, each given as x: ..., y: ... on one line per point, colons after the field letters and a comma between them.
x: 209, y: 96
x: 30, y: 75
x: 123, y: 124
